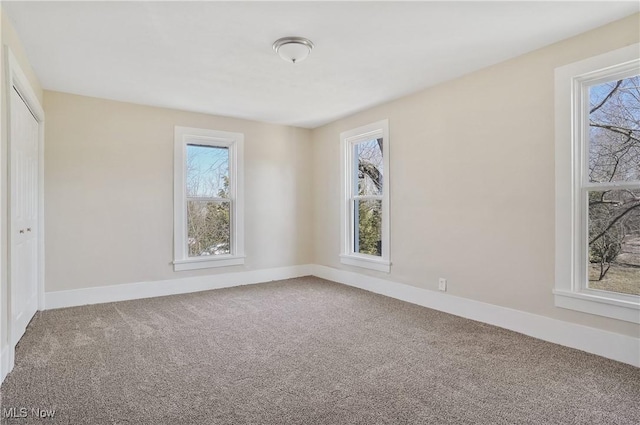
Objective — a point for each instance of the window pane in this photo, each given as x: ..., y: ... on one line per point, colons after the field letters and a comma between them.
x: 369, y: 167
x: 614, y: 241
x: 614, y: 131
x: 207, y: 172
x: 208, y: 228
x: 368, y: 225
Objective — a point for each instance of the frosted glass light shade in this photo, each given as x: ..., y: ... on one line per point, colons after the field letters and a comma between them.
x: 293, y: 49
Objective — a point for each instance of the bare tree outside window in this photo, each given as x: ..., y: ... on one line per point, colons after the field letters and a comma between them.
x: 208, y: 202
x: 614, y: 157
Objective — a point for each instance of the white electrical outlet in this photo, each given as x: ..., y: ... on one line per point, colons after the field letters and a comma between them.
x: 442, y: 284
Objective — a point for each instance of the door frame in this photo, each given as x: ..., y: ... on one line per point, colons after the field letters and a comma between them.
x: 15, y: 77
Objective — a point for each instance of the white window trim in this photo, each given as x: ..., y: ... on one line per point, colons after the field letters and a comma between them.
x: 347, y: 140
x: 235, y: 143
x: 571, y: 84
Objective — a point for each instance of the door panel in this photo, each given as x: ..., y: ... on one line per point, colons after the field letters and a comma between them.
x: 24, y: 215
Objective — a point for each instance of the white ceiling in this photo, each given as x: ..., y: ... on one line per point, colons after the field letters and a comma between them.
x: 216, y: 57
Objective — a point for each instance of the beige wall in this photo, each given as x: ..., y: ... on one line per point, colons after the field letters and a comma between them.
x: 8, y: 38
x: 109, y: 192
x: 472, y: 181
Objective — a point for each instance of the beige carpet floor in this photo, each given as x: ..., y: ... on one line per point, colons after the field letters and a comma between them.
x: 302, y: 351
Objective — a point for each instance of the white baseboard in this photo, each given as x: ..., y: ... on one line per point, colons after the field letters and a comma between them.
x: 611, y: 345
x: 133, y: 291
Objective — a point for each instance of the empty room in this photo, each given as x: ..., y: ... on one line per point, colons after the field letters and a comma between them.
x: 320, y: 212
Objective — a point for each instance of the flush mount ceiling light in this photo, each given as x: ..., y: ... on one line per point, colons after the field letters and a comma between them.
x: 293, y: 49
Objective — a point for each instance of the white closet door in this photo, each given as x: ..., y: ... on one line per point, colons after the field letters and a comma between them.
x: 24, y: 215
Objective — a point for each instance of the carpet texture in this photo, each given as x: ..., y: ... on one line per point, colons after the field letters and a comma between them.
x: 302, y: 351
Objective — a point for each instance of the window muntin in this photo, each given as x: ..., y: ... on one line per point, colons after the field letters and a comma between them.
x: 208, y: 211
x: 365, y: 226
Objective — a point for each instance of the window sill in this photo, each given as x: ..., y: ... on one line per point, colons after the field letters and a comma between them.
x: 366, y: 262
x: 207, y: 262
x: 602, y: 306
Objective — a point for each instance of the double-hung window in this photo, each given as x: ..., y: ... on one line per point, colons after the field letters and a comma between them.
x: 598, y: 185
x: 365, y: 197
x: 208, y: 199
